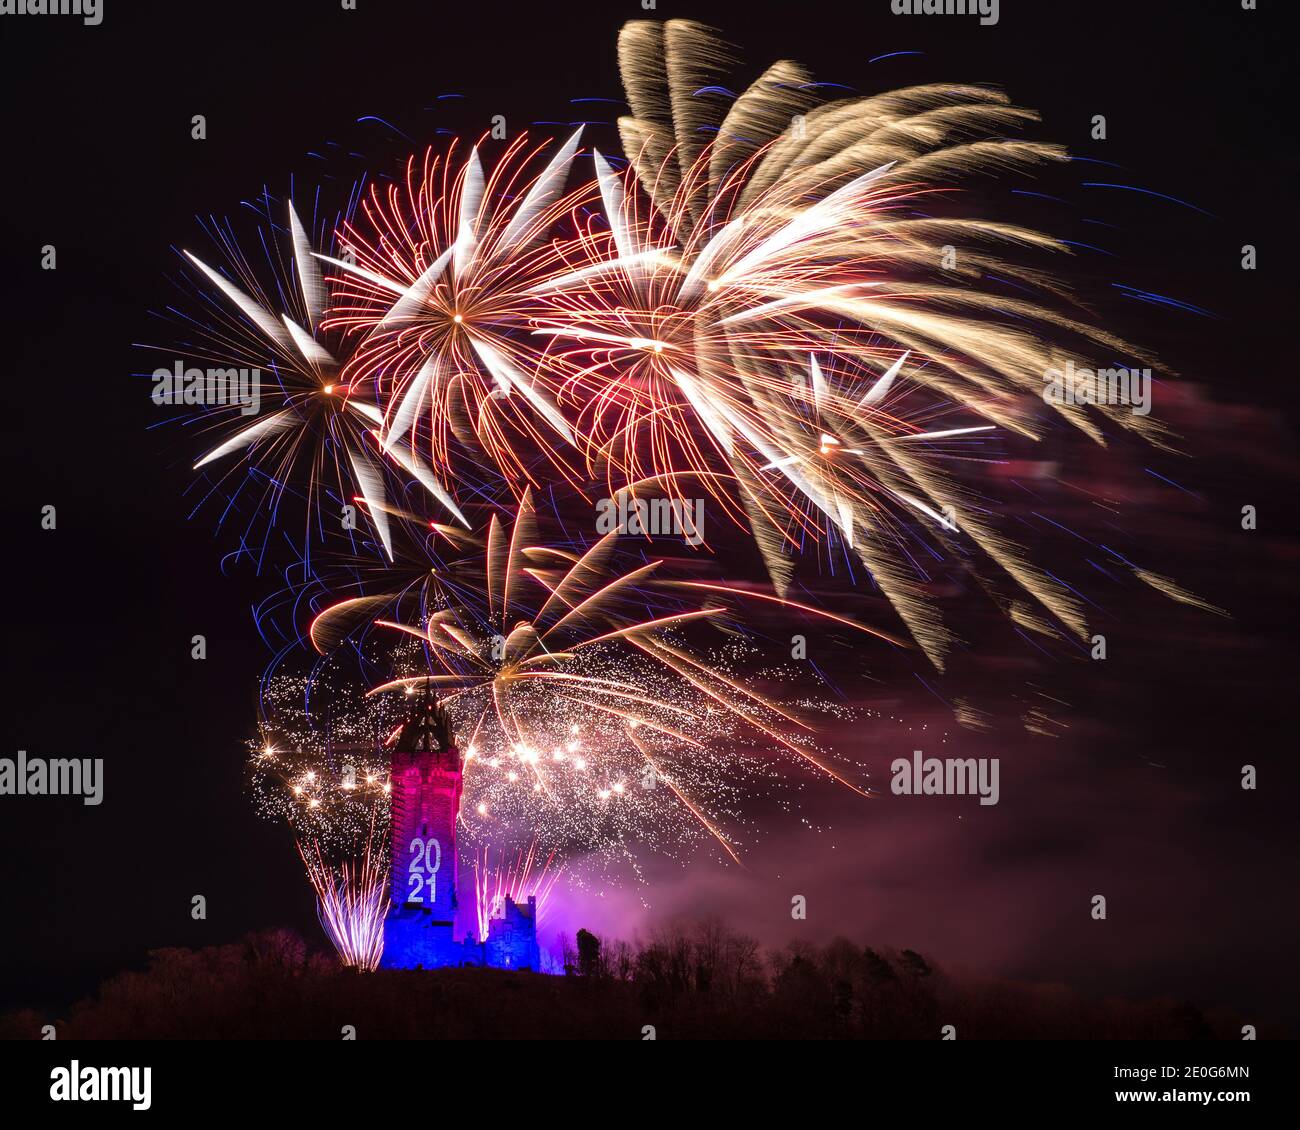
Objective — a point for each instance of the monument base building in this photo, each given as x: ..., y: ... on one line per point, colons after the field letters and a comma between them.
x: 413, y: 940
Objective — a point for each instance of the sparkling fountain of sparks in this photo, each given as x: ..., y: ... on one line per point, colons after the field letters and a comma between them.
x: 527, y: 876
x: 351, y: 900
x: 332, y: 790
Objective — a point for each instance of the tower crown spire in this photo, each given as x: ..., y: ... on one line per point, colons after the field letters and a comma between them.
x: 427, y: 729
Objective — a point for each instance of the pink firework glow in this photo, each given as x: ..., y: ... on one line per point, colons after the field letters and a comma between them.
x: 527, y: 876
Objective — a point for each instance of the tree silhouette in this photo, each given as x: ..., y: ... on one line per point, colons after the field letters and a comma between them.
x: 588, y: 954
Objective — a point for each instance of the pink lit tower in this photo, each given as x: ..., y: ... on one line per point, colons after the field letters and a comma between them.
x: 420, y: 927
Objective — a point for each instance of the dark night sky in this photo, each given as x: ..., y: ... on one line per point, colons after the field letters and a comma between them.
x: 100, y: 612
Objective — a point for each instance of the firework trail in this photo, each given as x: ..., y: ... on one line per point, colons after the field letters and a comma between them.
x: 526, y: 877
x: 542, y: 618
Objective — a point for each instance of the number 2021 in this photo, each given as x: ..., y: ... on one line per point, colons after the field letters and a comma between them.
x: 421, y: 870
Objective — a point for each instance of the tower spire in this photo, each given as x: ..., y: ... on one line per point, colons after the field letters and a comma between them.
x: 427, y: 728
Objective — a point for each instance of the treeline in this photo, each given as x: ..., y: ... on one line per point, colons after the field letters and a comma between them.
x: 688, y: 980
x: 701, y: 979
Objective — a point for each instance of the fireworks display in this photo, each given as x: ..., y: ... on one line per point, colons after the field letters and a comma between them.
x: 307, y: 447
x: 326, y: 776
x: 439, y: 300
x: 584, y: 723
x: 527, y: 876
x: 767, y: 305
x: 777, y: 307
x: 351, y: 900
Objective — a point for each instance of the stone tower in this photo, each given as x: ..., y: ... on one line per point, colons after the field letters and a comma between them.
x: 420, y: 927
